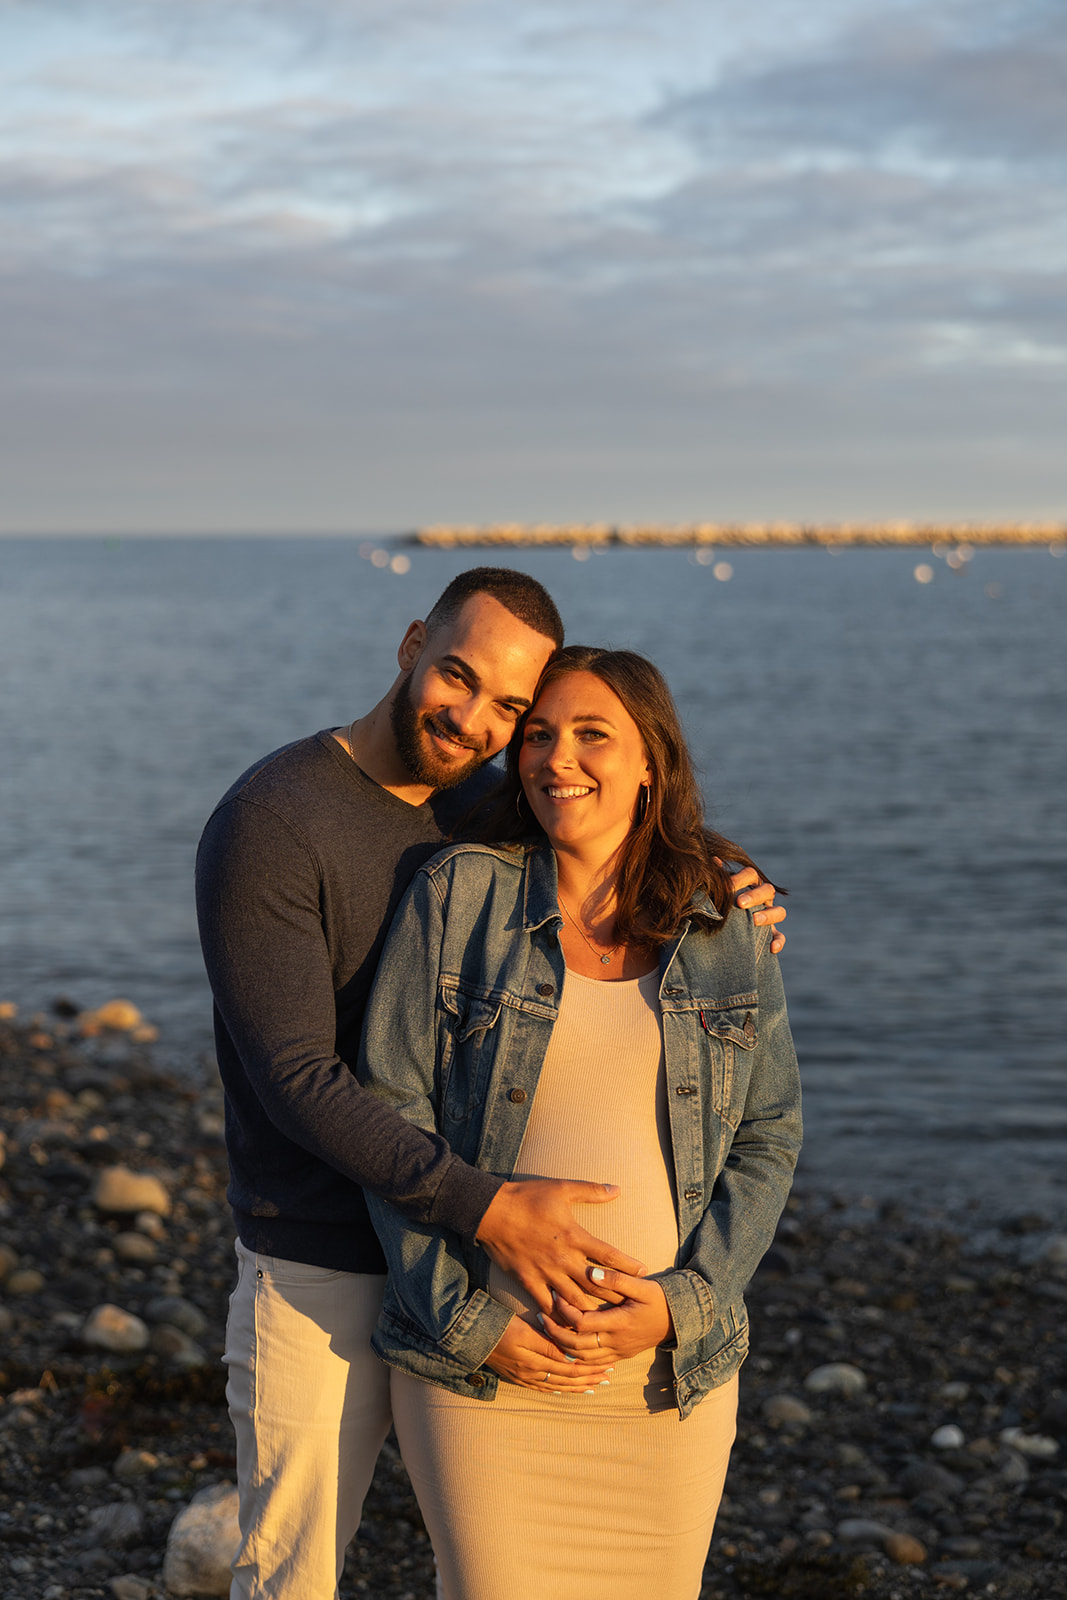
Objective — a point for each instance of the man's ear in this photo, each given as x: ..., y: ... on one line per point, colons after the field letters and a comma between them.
x: 411, y: 646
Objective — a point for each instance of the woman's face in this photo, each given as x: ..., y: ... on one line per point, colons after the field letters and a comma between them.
x: 582, y: 763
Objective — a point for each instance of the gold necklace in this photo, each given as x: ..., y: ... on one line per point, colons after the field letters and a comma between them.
x: 605, y: 961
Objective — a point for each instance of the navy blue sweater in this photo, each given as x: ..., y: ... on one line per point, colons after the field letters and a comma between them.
x: 299, y: 871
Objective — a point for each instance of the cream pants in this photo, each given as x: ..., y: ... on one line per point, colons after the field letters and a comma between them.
x: 309, y: 1403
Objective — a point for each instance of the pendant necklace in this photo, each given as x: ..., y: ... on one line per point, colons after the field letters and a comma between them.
x: 605, y: 961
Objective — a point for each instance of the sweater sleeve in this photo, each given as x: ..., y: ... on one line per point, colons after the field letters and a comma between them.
x: 258, y: 890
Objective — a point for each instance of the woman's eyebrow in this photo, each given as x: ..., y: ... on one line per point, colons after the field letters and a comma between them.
x: 582, y: 716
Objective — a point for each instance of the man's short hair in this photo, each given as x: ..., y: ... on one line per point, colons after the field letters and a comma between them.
x: 517, y: 592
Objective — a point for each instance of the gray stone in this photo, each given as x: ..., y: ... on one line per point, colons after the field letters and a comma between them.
x: 87, y: 1478
x: 178, y: 1312
x: 131, y: 1464
x: 177, y: 1347
x: 202, y: 1543
x: 136, y: 1248
x: 117, y: 1524
x: 108, y: 1327
x: 836, y: 1377
x: 786, y: 1411
x: 131, y: 1587
x: 948, y: 1437
x: 1030, y: 1444
x: 928, y: 1477
x: 862, y: 1530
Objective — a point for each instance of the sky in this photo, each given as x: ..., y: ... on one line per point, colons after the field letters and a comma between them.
x: 361, y: 265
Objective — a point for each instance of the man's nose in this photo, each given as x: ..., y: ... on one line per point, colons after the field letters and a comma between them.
x: 464, y: 716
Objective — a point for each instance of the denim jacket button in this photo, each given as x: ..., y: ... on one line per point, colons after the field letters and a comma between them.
x: 517, y: 1096
x: 476, y: 1380
x: 545, y: 989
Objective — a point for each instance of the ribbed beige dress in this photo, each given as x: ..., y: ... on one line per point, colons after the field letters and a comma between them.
x: 533, y: 1495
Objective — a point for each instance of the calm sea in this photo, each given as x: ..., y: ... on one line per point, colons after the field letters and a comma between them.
x: 892, y: 751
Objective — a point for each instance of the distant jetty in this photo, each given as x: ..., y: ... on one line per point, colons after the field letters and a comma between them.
x: 449, y: 536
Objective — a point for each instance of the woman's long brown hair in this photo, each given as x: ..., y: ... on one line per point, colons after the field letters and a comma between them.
x: 669, y: 856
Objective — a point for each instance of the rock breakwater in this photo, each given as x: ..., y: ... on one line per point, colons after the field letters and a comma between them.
x: 904, y: 1407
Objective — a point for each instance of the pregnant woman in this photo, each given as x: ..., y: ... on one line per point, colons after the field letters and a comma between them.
x: 573, y: 998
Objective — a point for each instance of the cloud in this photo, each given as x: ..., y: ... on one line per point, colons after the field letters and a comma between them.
x: 337, y: 255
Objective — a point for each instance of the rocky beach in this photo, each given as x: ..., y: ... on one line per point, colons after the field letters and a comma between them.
x: 904, y: 1407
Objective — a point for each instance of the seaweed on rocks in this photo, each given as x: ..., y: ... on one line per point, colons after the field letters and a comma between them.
x: 836, y: 1487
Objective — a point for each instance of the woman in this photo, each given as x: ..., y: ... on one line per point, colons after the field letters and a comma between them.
x: 584, y: 1005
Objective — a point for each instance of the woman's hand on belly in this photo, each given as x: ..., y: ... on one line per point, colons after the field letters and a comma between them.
x: 524, y: 1355
x: 641, y: 1322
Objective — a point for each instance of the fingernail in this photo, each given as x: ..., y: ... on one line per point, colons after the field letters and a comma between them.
x: 541, y: 1318
x: 570, y: 1358
x: 597, y: 1274
x: 744, y: 900
x: 605, y: 1383
x: 589, y: 1391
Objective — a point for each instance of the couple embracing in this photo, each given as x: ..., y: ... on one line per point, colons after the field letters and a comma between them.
x: 510, y: 1120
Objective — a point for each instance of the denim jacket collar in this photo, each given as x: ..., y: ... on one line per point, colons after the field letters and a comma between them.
x: 541, y: 895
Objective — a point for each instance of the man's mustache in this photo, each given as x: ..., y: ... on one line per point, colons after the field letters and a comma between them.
x: 446, y: 731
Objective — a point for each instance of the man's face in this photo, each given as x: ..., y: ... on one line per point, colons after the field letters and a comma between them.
x: 466, y: 686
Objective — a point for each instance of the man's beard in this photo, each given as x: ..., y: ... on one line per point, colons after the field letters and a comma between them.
x: 421, y: 760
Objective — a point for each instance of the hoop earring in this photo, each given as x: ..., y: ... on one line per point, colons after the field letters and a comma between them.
x: 642, y: 802
x: 518, y: 806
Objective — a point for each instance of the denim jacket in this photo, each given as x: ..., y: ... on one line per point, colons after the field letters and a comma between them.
x: 463, y: 1007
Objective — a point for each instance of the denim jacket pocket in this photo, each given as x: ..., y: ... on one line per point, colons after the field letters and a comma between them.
x: 467, y: 1054
x: 729, y: 1029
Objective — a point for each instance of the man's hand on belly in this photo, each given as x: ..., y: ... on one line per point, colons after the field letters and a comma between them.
x: 530, y: 1231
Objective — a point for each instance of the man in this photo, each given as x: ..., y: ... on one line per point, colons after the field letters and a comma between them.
x: 299, y: 871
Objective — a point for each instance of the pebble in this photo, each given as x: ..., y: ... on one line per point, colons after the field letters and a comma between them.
x: 948, y: 1437
x: 152, y: 1224
x: 136, y: 1247
x: 130, y: 1587
x: 118, y: 1016
x: 1029, y: 1444
x: 81, y: 1429
x: 904, y: 1550
x: 836, y: 1377
x: 179, y: 1313
x: 120, y: 1190
x: 202, y: 1543
x: 131, y: 1464
x: 108, y: 1327
x: 25, y: 1280
x: 120, y: 1523
x: 785, y: 1411
x: 176, y: 1346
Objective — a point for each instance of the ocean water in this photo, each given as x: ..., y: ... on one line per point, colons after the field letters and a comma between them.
x: 892, y: 752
